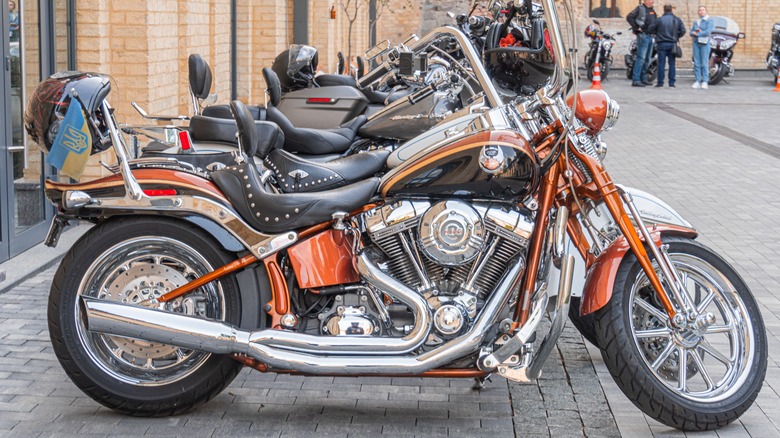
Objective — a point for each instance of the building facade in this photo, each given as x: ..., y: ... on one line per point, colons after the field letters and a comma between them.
x: 144, y: 46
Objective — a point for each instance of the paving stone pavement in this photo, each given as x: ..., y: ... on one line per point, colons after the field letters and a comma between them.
x: 722, y: 185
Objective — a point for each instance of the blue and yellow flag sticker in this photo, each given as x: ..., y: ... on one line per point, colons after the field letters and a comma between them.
x: 71, y: 148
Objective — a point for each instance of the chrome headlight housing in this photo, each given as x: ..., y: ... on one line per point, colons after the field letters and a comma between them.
x: 727, y: 44
x: 613, y: 113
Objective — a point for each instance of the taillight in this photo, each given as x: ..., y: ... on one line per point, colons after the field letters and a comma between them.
x: 160, y: 192
x: 320, y: 100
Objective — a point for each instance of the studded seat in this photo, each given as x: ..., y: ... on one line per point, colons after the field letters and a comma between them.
x: 272, y: 212
x: 296, y: 174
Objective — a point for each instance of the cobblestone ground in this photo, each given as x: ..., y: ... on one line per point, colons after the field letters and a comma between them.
x: 37, y: 398
x: 713, y: 155
x: 714, y: 164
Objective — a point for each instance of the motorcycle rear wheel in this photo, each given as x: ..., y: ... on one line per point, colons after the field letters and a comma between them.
x: 723, y: 362
x: 130, y: 260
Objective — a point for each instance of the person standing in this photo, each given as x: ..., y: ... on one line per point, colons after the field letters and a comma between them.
x: 667, y: 30
x: 641, y: 19
x: 13, y: 22
x: 700, y: 31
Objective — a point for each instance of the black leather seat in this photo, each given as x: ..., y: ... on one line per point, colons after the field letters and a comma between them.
x: 305, y: 140
x: 273, y: 212
x: 295, y: 174
x: 212, y: 129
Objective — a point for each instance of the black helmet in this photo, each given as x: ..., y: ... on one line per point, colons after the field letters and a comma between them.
x: 296, y: 67
x: 50, y: 101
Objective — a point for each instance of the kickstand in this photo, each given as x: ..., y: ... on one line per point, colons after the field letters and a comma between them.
x: 479, y: 382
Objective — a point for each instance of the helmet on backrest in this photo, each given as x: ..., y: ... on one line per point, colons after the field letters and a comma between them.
x: 50, y: 102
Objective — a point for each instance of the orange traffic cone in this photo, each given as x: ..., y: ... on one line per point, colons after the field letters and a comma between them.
x: 596, y: 84
x: 777, y: 82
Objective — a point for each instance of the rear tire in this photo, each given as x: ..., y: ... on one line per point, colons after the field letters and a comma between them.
x: 129, y: 260
x: 652, y: 70
x: 725, y: 359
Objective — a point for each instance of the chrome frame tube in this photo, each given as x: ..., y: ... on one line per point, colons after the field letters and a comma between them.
x: 132, y: 187
x: 216, y: 337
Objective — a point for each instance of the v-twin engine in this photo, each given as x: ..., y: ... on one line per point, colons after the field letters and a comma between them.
x: 452, y: 252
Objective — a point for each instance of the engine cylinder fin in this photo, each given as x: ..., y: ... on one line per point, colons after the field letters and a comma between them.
x: 492, y: 272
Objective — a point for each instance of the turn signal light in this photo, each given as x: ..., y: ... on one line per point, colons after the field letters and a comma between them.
x: 185, y: 141
x: 320, y: 100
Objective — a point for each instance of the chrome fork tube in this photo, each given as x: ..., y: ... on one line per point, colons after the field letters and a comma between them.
x: 664, y: 262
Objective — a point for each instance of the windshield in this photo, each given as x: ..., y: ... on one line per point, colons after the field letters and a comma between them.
x: 301, y: 60
x: 725, y: 25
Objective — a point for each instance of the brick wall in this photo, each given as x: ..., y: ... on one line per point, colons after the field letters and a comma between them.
x: 755, y: 18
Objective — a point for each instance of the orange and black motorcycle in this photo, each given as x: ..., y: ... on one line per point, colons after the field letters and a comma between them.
x: 438, y: 268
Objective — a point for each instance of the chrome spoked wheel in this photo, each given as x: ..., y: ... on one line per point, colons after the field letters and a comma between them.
x: 700, y: 374
x: 132, y: 272
x: 708, y: 358
x: 131, y: 260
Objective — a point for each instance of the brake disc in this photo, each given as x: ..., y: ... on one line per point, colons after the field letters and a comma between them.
x: 144, y: 281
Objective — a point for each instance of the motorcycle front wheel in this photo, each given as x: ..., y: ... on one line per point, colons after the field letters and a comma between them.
x: 699, y: 377
x: 717, y: 73
x: 131, y: 260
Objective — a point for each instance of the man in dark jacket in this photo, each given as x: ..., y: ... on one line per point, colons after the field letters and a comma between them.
x: 668, y: 30
x: 640, y: 20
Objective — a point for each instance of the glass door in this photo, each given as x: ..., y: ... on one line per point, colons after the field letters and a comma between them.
x: 34, y: 33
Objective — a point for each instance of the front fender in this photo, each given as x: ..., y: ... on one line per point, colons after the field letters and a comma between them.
x: 600, y: 278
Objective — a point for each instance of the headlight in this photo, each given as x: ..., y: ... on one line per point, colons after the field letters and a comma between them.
x: 713, y: 43
x: 595, y: 110
x: 727, y: 44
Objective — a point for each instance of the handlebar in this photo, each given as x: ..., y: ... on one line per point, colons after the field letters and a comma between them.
x: 373, y: 75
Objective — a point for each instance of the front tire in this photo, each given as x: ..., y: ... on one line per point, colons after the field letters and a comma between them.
x: 723, y: 360
x: 717, y: 73
x: 131, y: 260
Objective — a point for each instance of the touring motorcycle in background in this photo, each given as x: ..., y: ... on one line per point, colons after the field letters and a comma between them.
x: 723, y: 39
x: 439, y: 266
x: 773, y: 57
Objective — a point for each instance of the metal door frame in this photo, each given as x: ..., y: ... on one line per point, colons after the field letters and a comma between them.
x: 12, y: 244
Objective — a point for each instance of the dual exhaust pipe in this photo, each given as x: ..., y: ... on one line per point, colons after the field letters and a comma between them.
x: 307, y: 353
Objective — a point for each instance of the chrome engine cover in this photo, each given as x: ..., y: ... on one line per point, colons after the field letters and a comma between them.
x: 451, y: 233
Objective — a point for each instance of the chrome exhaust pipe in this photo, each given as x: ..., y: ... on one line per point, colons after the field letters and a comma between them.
x: 220, y: 338
x: 346, y: 345
x: 340, y: 345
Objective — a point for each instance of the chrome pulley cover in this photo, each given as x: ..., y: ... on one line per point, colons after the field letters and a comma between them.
x: 449, y: 320
x: 451, y: 233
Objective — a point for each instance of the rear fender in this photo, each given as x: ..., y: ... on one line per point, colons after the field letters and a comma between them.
x: 600, y: 278
x: 171, y: 193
